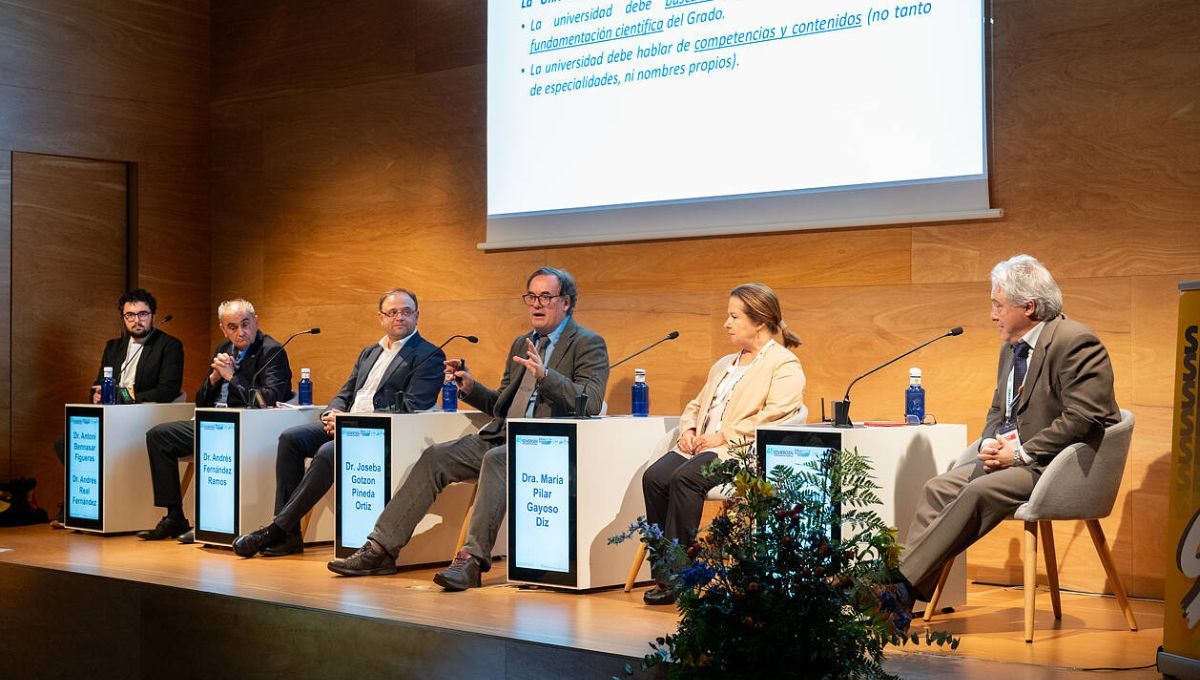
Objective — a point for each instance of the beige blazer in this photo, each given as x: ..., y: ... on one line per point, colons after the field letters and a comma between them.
x: 771, y: 392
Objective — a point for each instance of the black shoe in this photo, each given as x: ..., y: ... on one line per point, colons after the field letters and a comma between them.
x: 291, y: 544
x: 248, y: 545
x: 188, y: 537
x: 462, y: 573
x: 659, y: 595
x: 168, y: 527
x: 366, y: 561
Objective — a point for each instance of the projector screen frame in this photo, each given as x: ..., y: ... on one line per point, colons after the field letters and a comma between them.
x: 572, y: 226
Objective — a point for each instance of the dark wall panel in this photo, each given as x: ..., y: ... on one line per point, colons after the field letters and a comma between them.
x: 127, y: 83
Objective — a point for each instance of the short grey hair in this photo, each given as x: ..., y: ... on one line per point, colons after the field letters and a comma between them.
x: 228, y: 305
x: 1024, y: 279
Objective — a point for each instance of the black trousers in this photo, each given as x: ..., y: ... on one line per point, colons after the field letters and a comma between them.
x: 166, y: 443
x: 674, y: 487
x: 297, y: 491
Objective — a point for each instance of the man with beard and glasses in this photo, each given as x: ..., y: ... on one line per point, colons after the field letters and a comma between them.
x: 147, y: 363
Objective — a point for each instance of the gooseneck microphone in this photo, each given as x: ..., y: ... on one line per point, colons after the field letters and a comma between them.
x: 581, y: 399
x: 670, y: 336
x: 398, y: 406
x: 256, y: 398
x: 841, y: 409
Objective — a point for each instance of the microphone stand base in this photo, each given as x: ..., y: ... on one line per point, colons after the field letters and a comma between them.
x: 841, y: 414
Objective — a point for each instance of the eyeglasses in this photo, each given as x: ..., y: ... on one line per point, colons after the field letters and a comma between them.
x: 929, y: 419
x: 130, y: 316
x: 545, y: 298
x: 404, y: 312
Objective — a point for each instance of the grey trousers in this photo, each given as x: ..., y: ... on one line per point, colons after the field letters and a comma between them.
x: 956, y: 509
x: 471, y: 457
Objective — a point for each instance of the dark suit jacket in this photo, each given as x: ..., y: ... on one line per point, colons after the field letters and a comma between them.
x: 275, y: 382
x: 578, y: 365
x: 420, y: 390
x: 159, y: 370
x: 1068, y: 394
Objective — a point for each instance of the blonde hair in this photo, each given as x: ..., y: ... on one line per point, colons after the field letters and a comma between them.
x: 762, y: 306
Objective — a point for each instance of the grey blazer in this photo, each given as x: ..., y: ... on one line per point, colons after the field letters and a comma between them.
x: 578, y: 365
x: 1068, y: 394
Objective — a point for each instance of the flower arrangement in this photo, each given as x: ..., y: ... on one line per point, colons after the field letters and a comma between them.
x: 788, y: 581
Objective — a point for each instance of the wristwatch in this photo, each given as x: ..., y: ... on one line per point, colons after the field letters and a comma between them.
x: 1019, y: 457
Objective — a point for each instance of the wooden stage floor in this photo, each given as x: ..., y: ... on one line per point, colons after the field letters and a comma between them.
x: 1090, y: 635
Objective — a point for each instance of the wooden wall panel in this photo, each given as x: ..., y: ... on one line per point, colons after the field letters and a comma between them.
x: 6, y: 468
x: 341, y: 176
x: 68, y: 215
x: 280, y: 47
x: 129, y: 83
x: 145, y: 51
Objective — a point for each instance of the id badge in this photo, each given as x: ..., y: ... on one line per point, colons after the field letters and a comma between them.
x: 1009, y: 436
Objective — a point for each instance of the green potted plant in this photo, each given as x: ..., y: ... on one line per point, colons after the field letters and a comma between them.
x: 788, y: 580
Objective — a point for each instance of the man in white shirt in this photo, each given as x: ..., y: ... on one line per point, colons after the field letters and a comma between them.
x: 383, y: 379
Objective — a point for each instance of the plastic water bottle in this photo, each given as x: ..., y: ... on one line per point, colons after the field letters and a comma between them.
x: 641, y: 393
x: 450, y: 396
x: 108, y: 387
x: 305, y: 387
x: 914, y: 398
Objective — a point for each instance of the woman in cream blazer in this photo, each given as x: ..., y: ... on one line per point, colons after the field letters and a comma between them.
x: 759, y: 384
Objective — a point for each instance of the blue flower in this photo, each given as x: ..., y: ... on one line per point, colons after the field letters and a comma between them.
x: 697, y: 575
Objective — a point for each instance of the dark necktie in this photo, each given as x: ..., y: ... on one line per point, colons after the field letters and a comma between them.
x: 520, y: 401
x: 1020, y: 366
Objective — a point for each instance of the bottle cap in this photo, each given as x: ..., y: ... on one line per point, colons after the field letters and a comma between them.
x: 305, y: 373
x: 914, y: 372
x: 639, y: 375
x: 108, y: 371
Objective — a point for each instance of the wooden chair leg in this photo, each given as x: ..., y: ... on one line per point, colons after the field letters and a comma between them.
x: 637, y: 566
x: 1051, y: 566
x: 937, y: 592
x: 1031, y: 536
x: 466, y: 524
x: 304, y: 523
x: 1110, y: 568
x: 189, y: 471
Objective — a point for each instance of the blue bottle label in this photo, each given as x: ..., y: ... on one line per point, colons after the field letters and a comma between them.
x: 450, y: 397
x: 914, y: 402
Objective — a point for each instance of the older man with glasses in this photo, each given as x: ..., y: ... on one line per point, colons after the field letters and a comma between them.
x: 547, y: 370
x: 400, y: 373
